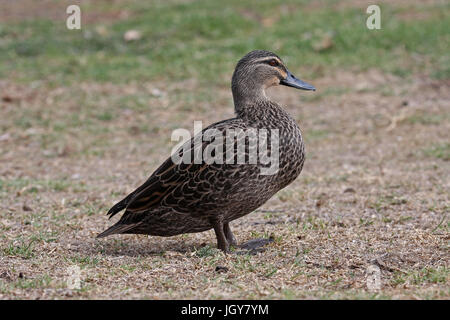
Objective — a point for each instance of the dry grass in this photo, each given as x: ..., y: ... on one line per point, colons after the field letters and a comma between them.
x: 372, y: 188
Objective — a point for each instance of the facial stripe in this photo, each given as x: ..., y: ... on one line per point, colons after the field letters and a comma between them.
x: 267, y: 59
x: 282, y: 73
x: 280, y: 68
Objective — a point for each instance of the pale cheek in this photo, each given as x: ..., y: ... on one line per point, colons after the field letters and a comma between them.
x: 272, y: 82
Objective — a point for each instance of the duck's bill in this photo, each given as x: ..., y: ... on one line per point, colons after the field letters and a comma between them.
x: 292, y: 81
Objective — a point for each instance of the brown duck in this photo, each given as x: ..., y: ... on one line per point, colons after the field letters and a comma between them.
x: 195, y: 196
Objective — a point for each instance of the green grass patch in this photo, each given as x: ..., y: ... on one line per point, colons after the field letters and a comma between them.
x: 206, y: 251
x: 85, y: 261
x: 33, y: 283
x: 438, y: 151
x: 425, y: 275
x: 26, y: 186
x: 203, y: 39
x: 22, y: 249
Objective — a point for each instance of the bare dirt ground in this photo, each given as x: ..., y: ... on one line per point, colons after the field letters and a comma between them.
x: 374, y: 191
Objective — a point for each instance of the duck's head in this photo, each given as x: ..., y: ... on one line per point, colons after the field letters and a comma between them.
x: 259, y: 70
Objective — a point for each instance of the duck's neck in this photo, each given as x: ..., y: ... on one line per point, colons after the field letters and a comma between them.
x: 247, y: 95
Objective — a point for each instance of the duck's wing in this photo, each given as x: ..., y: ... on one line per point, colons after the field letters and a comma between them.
x: 180, y: 186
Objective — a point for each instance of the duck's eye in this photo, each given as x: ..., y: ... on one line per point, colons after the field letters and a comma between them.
x: 273, y: 63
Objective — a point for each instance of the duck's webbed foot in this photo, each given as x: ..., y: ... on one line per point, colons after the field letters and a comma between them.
x: 225, y: 239
x: 255, y: 245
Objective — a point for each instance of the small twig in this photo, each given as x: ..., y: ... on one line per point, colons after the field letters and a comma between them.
x: 395, y: 119
x: 379, y: 262
x: 442, y: 220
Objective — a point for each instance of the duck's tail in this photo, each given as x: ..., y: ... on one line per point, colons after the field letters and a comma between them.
x: 119, y: 206
x: 116, y: 229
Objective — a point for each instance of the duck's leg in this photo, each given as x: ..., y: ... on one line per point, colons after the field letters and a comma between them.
x: 229, y: 235
x: 222, y: 242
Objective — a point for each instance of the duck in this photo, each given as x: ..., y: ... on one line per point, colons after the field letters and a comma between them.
x: 196, y: 194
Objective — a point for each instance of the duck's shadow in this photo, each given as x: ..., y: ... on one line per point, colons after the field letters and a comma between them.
x: 133, y: 248
x: 150, y: 247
